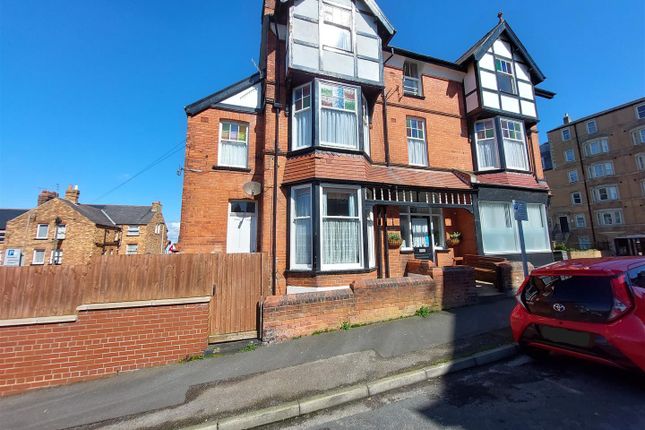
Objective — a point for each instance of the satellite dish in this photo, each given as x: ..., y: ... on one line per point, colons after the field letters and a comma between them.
x: 252, y: 188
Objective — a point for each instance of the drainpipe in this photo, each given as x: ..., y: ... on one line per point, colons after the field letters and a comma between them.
x: 385, y: 244
x: 584, y: 182
x: 276, y: 108
x: 385, y: 130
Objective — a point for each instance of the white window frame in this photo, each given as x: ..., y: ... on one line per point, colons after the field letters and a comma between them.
x: 320, y: 107
x: 615, y: 220
x: 642, y: 105
x: 643, y: 187
x: 40, y: 236
x: 343, y: 266
x: 640, y: 160
x: 513, y: 139
x: 220, y: 163
x: 638, y: 135
x: 292, y: 233
x: 56, y: 257
x: 515, y: 227
x: 570, y: 152
x: 423, y: 140
x: 366, y: 126
x: 584, y: 242
x: 510, y: 73
x: 325, y: 23
x: 603, y: 145
x: 433, y: 214
x: 39, y: 262
x: 294, y: 111
x: 411, y: 83
x: 61, y: 231
x: 128, y: 249
x: 568, y: 132
x: 605, y: 169
x: 591, y: 124
x: 495, y: 144
x: 133, y: 230
x: 577, y: 218
x: 596, y: 193
x: 573, y: 199
x: 569, y: 176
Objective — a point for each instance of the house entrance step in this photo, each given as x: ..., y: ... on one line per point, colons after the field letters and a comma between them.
x: 488, y: 293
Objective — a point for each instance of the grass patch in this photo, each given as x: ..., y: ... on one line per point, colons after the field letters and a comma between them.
x: 250, y: 347
x: 345, y: 325
x: 423, y: 312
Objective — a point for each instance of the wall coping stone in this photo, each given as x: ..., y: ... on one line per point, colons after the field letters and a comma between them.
x: 144, y: 303
x: 39, y: 320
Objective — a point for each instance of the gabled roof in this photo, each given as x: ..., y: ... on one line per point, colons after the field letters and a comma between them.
x: 478, y: 50
x: 378, y: 13
x: 95, y: 215
x: 216, y: 98
x: 7, y: 215
x: 125, y: 214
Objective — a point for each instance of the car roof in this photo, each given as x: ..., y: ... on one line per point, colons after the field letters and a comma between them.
x: 604, y: 266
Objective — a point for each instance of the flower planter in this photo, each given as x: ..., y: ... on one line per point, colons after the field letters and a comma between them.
x: 394, y: 243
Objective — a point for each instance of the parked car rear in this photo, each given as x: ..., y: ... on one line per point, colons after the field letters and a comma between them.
x: 588, y: 308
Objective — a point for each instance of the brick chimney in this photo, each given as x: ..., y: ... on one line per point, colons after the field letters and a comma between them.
x: 156, y: 207
x: 72, y: 193
x: 566, y: 119
x: 45, y: 196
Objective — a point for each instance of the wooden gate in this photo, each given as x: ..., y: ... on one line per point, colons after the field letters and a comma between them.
x: 239, y: 283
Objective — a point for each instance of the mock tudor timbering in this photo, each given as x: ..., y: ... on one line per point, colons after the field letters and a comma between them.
x: 354, y: 143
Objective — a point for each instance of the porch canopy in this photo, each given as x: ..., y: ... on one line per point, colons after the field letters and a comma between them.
x: 393, y: 195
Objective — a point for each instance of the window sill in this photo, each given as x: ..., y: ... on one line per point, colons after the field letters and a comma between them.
x: 414, y: 96
x: 406, y: 250
x: 232, y: 169
x: 313, y: 273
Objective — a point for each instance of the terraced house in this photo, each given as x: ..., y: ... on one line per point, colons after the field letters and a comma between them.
x: 344, y: 156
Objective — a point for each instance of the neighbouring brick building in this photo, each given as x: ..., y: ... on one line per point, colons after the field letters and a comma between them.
x: 598, y: 178
x: 341, y: 140
x: 64, y: 231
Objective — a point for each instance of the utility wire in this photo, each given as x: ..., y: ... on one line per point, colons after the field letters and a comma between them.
x: 161, y: 158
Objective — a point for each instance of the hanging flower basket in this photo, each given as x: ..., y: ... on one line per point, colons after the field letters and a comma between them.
x: 394, y: 240
x: 454, y: 239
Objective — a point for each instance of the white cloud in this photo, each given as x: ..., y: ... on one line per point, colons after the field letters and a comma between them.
x: 173, y: 231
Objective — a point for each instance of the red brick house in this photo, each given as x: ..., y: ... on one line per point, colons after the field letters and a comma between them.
x: 350, y: 140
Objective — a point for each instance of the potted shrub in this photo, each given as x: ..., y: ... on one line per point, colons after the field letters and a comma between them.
x: 454, y: 238
x: 394, y: 240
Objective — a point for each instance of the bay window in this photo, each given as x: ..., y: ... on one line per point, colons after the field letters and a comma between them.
x: 301, y: 227
x: 487, y: 153
x: 417, y: 145
x: 610, y: 217
x: 599, y: 170
x: 233, y: 144
x: 500, y: 233
x: 514, y: 145
x: 605, y: 193
x: 536, y: 236
x: 597, y: 146
x: 338, y: 115
x: 341, y: 225
x: 301, y: 117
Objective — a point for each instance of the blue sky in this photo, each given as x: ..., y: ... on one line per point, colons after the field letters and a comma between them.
x: 91, y: 92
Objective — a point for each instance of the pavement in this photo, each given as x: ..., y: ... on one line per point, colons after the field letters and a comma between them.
x: 557, y: 393
x: 192, y: 393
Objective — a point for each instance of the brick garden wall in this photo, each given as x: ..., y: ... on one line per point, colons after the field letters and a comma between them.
x: 99, y: 343
x: 367, y: 301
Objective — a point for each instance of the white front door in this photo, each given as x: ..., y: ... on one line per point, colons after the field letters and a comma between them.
x: 242, y: 227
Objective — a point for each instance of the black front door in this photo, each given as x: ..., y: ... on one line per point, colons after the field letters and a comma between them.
x: 564, y: 224
x: 421, y: 240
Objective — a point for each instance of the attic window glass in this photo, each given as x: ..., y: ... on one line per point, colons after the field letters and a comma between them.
x: 301, y: 120
x: 566, y: 134
x: 133, y: 230
x: 337, y: 27
x: 411, y: 81
x: 640, y: 111
x: 487, y: 154
x: 338, y: 116
x: 505, y: 79
x: 592, y: 127
x: 233, y: 145
x: 42, y: 231
x: 514, y: 145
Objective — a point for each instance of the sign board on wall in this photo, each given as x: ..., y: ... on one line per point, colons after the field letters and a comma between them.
x: 12, y: 257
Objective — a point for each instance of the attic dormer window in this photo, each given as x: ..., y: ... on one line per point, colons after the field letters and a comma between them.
x: 337, y: 27
x: 411, y: 79
x: 505, y: 77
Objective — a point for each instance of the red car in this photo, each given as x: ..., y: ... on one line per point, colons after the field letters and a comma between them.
x: 588, y: 308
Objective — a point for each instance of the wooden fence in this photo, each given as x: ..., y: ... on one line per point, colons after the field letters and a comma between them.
x: 27, y: 292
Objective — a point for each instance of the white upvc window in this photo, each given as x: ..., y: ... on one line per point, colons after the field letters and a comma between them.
x: 640, y: 111
x: 640, y: 161
x: 505, y: 76
x: 42, y: 231
x: 643, y: 187
x: 133, y: 230
x: 638, y: 136
x: 566, y: 134
x: 301, y: 228
x: 233, y: 144
x: 486, y: 142
x: 592, y: 127
x: 38, y: 257
x: 576, y: 198
x: 131, y: 249
x: 301, y: 121
x: 56, y: 257
x: 584, y: 242
x: 341, y: 235
x: 573, y: 176
x: 581, y: 221
x: 158, y: 228
x: 336, y: 29
x: 569, y: 155
x: 605, y: 193
x: 366, y: 127
x: 338, y: 117
x: 596, y: 146
x: 610, y: 216
x: 514, y: 145
x: 411, y: 79
x: 61, y: 231
x: 500, y: 230
x: 421, y: 235
x: 371, y: 251
x: 417, y: 145
x: 598, y: 170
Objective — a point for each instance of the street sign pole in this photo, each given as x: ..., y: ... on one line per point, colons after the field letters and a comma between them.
x: 521, y: 215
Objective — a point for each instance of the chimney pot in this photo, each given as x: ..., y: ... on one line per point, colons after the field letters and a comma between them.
x: 156, y: 207
x: 72, y: 194
x: 566, y: 119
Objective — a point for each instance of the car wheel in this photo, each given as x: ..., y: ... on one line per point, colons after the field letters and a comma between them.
x: 535, y: 353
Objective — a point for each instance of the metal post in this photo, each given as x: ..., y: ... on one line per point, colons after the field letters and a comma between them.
x: 525, y: 264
